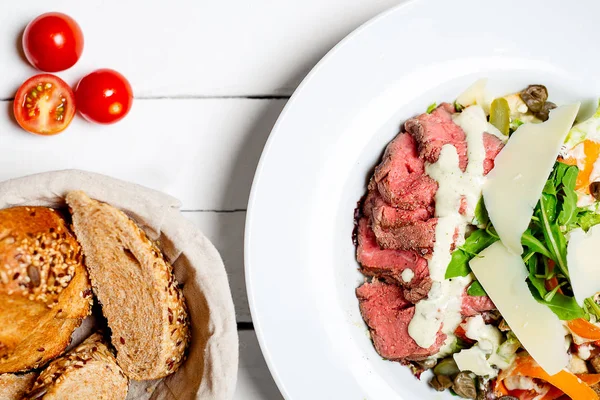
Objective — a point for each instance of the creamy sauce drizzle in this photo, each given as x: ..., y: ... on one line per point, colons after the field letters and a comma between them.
x: 442, y: 307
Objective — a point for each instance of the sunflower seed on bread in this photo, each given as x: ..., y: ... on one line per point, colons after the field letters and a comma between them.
x: 44, y: 288
x: 14, y: 386
x: 89, y: 371
x: 140, y: 298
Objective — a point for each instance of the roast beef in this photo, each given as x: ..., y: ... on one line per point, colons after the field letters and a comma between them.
x: 388, y: 313
x: 396, y: 231
x: 389, y: 264
x: 432, y: 131
x: 473, y: 305
x: 400, y: 177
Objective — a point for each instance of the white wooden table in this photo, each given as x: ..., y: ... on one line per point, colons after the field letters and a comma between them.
x: 210, y: 79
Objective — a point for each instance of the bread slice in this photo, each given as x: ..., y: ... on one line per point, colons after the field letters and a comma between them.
x: 14, y: 387
x: 135, y: 286
x: 89, y: 371
x: 44, y: 288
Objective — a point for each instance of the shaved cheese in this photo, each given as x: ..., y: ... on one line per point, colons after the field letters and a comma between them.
x: 514, y: 186
x: 476, y: 94
x: 502, y: 274
x: 582, y: 259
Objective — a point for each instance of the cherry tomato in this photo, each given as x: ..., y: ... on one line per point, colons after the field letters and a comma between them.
x: 104, y: 96
x: 44, y: 105
x: 53, y: 42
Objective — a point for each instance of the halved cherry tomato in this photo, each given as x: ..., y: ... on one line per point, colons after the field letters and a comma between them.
x: 53, y: 42
x: 44, y: 105
x: 104, y: 96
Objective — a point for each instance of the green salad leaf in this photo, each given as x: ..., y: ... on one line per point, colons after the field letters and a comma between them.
x: 565, y: 307
x: 481, y: 219
x: 586, y: 219
x: 431, y: 107
x: 475, y: 243
x: 475, y: 289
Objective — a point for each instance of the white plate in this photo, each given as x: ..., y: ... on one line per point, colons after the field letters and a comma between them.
x: 300, y: 267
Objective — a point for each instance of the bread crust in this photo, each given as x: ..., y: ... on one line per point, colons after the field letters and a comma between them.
x: 88, y: 371
x: 136, y: 288
x: 44, y: 288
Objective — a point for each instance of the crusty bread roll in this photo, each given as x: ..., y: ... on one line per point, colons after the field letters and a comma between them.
x: 14, y: 386
x: 89, y: 371
x: 135, y: 286
x: 44, y: 287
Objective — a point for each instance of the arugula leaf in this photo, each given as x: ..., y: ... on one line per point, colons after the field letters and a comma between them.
x: 569, y: 208
x: 538, y: 283
x: 475, y: 289
x: 565, y: 308
x: 569, y: 197
x: 459, y: 264
x: 431, y: 107
x: 569, y: 178
x: 534, y: 244
x: 554, y: 237
x: 586, y: 219
x: 481, y: 215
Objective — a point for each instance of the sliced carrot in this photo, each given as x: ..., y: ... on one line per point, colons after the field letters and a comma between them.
x: 565, y: 381
x: 591, y: 152
x: 584, y: 329
x: 590, y: 379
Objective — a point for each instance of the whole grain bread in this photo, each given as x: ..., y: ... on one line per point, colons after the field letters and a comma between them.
x: 44, y: 288
x: 14, y: 386
x: 89, y: 371
x: 135, y: 286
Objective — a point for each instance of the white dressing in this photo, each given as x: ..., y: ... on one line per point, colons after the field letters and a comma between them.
x: 442, y: 307
x: 514, y: 185
x: 582, y: 259
x: 480, y: 358
x: 502, y: 274
x: 407, y: 275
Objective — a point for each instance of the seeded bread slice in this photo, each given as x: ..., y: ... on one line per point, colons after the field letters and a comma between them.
x: 135, y: 286
x: 89, y: 371
x: 44, y: 288
x: 14, y: 387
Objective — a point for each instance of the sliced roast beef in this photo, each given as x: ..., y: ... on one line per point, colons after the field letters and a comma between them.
x: 388, y: 216
x: 492, y: 145
x: 400, y: 177
x: 418, y: 236
x: 473, y: 305
x: 433, y: 131
x: 388, y: 313
x: 389, y: 264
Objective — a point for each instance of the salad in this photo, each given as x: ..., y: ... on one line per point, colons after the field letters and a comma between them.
x: 478, y: 238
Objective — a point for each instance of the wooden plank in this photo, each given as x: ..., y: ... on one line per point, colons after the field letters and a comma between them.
x: 226, y: 232
x: 202, y: 151
x: 254, y: 379
x: 190, y: 47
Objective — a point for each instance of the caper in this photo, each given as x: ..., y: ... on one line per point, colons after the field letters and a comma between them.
x: 464, y: 385
x: 447, y: 367
x: 595, y: 189
x: 500, y: 115
x: 534, y: 97
x: 545, y: 112
x: 440, y: 382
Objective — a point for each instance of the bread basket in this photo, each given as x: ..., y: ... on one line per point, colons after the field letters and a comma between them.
x: 210, y: 371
